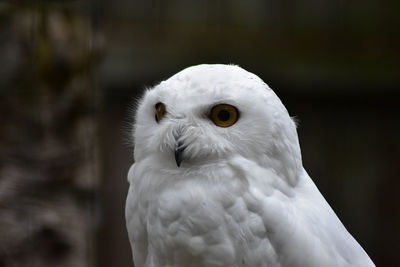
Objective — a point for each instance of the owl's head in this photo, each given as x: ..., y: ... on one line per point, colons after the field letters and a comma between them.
x: 207, y: 113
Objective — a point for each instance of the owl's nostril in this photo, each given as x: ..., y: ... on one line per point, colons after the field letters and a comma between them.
x: 178, y: 131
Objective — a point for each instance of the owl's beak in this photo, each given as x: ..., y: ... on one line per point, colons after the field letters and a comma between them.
x: 179, y: 153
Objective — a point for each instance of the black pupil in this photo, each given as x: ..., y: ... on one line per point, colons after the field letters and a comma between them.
x: 223, y: 115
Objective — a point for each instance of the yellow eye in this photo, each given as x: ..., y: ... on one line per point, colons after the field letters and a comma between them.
x: 160, y: 111
x: 224, y: 115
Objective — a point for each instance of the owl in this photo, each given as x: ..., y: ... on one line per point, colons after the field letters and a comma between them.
x: 218, y: 180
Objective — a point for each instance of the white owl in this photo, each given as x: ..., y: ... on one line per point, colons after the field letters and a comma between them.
x: 218, y: 180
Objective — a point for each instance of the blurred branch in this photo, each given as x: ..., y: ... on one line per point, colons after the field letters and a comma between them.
x: 48, y: 161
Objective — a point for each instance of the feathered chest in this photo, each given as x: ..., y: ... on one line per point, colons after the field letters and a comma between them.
x: 198, y: 218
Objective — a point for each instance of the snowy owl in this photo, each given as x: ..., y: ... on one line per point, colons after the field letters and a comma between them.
x: 218, y: 180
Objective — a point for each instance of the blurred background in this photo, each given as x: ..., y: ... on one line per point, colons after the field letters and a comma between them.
x: 71, y: 69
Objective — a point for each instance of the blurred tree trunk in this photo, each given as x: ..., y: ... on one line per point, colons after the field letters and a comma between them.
x: 48, y: 177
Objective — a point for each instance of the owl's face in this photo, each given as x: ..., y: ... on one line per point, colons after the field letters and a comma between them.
x: 206, y: 113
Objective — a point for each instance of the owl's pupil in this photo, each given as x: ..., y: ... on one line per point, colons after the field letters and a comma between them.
x: 223, y: 115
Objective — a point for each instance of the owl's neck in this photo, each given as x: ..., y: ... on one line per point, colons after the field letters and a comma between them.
x: 284, y: 158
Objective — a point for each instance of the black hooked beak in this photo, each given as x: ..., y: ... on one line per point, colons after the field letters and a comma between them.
x: 179, y: 153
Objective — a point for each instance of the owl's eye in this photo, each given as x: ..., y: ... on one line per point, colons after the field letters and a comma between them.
x: 160, y: 111
x: 224, y: 115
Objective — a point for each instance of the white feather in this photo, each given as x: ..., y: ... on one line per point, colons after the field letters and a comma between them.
x: 241, y: 196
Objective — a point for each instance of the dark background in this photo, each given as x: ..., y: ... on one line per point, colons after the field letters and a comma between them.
x: 72, y: 69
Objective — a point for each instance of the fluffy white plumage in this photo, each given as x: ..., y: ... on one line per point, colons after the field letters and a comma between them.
x: 241, y: 196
